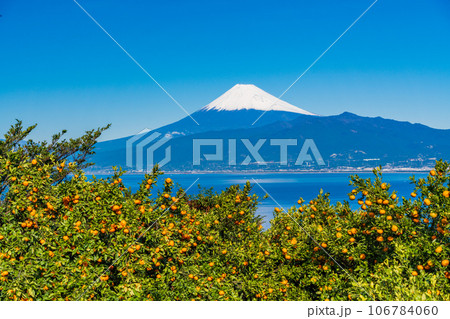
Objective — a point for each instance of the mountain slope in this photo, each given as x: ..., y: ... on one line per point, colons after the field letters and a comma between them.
x: 345, y: 140
x: 237, y: 108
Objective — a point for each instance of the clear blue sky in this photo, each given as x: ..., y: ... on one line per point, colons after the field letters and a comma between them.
x: 58, y: 69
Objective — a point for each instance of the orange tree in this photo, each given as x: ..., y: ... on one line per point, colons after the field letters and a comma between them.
x: 385, y: 250
x: 77, y: 238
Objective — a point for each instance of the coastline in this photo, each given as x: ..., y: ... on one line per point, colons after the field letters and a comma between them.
x: 405, y: 170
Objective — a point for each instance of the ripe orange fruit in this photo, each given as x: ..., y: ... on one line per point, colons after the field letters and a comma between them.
x: 211, y: 264
x: 380, y: 238
x: 324, y: 245
x: 352, y: 197
x: 34, y: 162
x: 419, y: 267
x: 66, y: 237
x: 394, y: 228
x: 25, y: 183
x: 414, y: 273
x: 438, y: 249
x: 383, y: 186
x: 433, y: 173
x: 427, y: 202
x: 394, y: 196
x: 124, y: 273
x: 446, y: 194
x: 221, y: 293
x: 362, y: 256
x: 168, y: 181
x: 413, y: 194
x: 445, y: 262
x: 345, y: 250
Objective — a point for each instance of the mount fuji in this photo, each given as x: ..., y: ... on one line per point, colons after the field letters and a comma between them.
x: 345, y: 141
x: 249, y: 97
x: 237, y: 108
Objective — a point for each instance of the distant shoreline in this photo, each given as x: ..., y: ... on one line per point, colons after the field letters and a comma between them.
x: 259, y: 172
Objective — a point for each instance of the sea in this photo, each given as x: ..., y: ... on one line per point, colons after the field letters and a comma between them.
x: 284, y: 189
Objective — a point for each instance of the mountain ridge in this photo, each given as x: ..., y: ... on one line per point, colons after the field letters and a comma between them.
x: 343, y: 140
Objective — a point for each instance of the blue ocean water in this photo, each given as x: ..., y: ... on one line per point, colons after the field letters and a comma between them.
x: 284, y: 188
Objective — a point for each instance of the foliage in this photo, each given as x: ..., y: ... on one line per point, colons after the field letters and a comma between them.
x: 15, y: 150
x: 83, y: 238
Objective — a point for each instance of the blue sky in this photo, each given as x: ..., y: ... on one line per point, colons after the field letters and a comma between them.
x: 58, y: 69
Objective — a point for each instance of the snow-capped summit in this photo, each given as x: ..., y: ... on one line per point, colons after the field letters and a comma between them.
x: 250, y: 97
